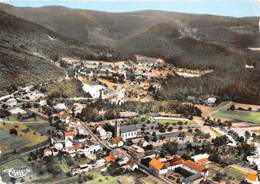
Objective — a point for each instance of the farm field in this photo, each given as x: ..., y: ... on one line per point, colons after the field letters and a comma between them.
x: 39, y: 125
x: 100, y: 179
x: 29, y: 136
x: 10, y: 142
x: 253, y: 117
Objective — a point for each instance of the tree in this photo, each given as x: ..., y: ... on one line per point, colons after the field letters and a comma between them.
x: 111, y: 114
x: 154, y: 139
x: 13, y: 131
x: 19, y: 116
x: 254, y: 136
x: 170, y: 148
x: 180, y: 128
x: 232, y: 107
x: 170, y: 129
x: 12, y: 180
x: 89, y: 114
x: 229, y: 124
x: 247, y: 135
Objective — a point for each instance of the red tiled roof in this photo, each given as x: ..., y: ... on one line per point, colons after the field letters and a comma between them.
x: 110, y: 158
x: 194, y: 166
x: 157, y: 164
x: 75, y: 147
x: 202, y: 161
x: 251, y: 177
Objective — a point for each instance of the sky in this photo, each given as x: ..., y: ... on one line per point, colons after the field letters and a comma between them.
x: 236, y: 8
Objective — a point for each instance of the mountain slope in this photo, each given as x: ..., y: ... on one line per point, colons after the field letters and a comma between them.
x: 103, y: 28
x: 186, y: 40
x: 27, y: 50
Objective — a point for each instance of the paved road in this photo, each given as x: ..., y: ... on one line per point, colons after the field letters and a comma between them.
x: 96, y: 138
x: 220, y: 107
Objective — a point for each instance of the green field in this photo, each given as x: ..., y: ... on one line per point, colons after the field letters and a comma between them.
x: 234, y: 172
x: 100, y: 179
x: 253, y: 117
x: 174, y: 121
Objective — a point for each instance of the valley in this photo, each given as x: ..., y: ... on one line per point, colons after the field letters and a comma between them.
x: 137, y: 97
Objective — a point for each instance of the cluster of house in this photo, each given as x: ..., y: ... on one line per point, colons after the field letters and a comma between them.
x: 143, y: 73
x: 210, y: 100
x: 191, y: 171
x: 255, y: 161
x: 121, y: 134
x: 123, y: 160
x: 19, y: 99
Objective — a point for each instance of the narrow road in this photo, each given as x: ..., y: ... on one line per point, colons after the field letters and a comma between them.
x: 21, y: 154
x: 94, y: 136
x: 39, y: 113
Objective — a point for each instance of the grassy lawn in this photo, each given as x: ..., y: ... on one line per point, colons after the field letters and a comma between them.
x: 253, y: 117
x: 100, y: 179
x: 237, y: 173
x: 63, y: 166
x: 173, y: 121
x: 39, y: 125
x: 70, y: 88
x: 10, y: 142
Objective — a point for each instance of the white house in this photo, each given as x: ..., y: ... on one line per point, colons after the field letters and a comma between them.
x: 249, y: 66
x: 43, y: 102
x: 211, y: 101
x: 17, y: 110
x: 11, y: 102
x: 58, y: 146
x: 92, y: 149
x: 102, y: 133
x: 201, y: 158
x: 47, y: 152
x: 94, y: 90
x: 60, y: 106
x: 68, y: 139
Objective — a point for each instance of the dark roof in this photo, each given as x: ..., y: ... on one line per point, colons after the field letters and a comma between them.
x: 192, y: 178
x: 150, y: 152
x: 129, y: 128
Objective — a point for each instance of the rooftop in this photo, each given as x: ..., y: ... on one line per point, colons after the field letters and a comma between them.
x: 157, y: 164
x: 129, y: 128
x: 194, y: 166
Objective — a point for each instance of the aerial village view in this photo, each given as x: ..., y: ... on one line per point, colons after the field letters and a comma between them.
x: 105, y: 122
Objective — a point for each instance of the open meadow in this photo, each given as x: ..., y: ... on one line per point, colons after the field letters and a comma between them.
x: 248, y: 116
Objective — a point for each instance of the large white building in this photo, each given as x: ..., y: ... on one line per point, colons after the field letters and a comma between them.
x: 129, y: 131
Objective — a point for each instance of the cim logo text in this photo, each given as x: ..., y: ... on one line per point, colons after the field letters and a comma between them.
x: 17, y: 172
